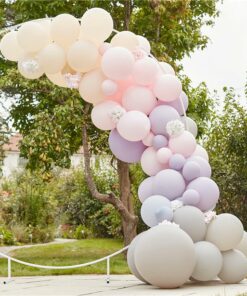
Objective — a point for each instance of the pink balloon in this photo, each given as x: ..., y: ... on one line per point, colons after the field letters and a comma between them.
x: 104, y: 47
x: 109, y: 87
x: 148, y: 140
x: 167, y: 88
x: 122, y: 86
x: 101, y: 115
x: 184, y: 144
x: 149, y: 162
x: 117, y: 63
x: 164, y: 154
x: 145, y: 71
x: 133, y: 126
x: 139, y: 98
x: 200, y: 151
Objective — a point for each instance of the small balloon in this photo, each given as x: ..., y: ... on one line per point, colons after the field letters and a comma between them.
x: 190, y: 197
x: 149, y: 162
x: 109, y: 87
x: 159, y: 141
x: 191, y: 170
x: 176, y: 162
x: 164, y: 154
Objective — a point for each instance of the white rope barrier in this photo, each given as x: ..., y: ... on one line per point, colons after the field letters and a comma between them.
x: 107, y: 258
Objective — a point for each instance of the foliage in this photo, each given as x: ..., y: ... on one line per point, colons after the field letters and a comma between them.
x: 7, y: 237
x: 68, y: 254
x: 226, y: 144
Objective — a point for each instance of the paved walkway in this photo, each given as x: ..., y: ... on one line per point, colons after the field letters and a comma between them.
x: 7, y: 249
x: 119, y: 285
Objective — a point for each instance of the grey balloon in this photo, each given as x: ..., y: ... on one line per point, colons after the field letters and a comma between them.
x: 225, y: 231
x: 242, y: 246
x: 130, y: 257
x: 165, y: 256
x: 234, y: 268
x: 192, y: 221
x: 208, y: 261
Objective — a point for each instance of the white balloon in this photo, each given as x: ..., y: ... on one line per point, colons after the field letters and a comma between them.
x: 144, y: 43
x: 125, y: 39
x: 10, y: 47
x: 190, y: 125
x: 242, y: 246
x: 167, y: 68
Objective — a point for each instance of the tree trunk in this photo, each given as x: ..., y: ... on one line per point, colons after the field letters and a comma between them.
x: 128, y: 225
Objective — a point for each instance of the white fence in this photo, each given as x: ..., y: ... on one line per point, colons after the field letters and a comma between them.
x: 106, y: 258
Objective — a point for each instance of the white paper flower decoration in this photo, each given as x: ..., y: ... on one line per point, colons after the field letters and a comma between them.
x: 176, y: 204
x: 209, y: 216
x: 174, y: 128
x: 116, y: 113
x: 72, y: 80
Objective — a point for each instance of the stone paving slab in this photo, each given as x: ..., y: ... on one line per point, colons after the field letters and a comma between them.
x: 119, y: 285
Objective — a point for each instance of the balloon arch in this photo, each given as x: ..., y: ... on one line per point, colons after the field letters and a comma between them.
x: 141, y: 102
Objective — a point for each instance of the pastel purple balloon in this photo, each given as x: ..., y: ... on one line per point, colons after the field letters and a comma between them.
x: 205, y: 168
x: 208, y: 191
x: 177, y: 103
x: 176, y: 162
x: 124, y: 150
x: 190, y: 197
x: 145, y: 189
x: 191, y: 170
x: 164, y: 213
x: 160, y: 116
x: 169, y: 183
x: 159, y: 141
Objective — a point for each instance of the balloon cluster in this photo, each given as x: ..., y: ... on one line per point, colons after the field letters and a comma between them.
x: 141, y: 102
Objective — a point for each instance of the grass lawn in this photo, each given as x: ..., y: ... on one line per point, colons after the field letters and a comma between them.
x: 68, y: 254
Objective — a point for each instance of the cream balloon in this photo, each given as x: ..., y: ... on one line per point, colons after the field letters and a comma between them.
x: 58, y: 79
x: 52, y: 58
x: 83, y: 56
x: 32, y: 37
x: 65, y: 29
x: 10, y: 47
x: 90, y: 86
x: 167, y: 68
x: 96, y: 25
x: 125, y: 39
x: 46, y: 25
x: 30, y: 68
x: 242, y: 246
x: 144, y: 44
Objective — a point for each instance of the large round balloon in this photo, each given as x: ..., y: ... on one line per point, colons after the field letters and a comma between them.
x: 145, y: 71
x: 208, y: 191
x: 124, y: 150
x: 160, y: 116
x: 90, y: 86
x: 133, y: 126
x: 192, y: 221
x: 10, y: 47
x: 200, y: 151
x: 234, y: 268
x: 205, y: 168
x: 180, y: 104
x: 117, y: 63
x: 169, y: 183
x: 184, y: 144
x: 65, y: 29
x: 208, y: 261
x: 125, y: 39
x: 96, y: 25
x: 145, y: 189
x: 139, y: 98
x: 190, y: 125
x: 131, y: 257
x: 149, y: 162
x: 242, y: 246
x: 225, y: 231
x: 150, y: 208
x: 167, y: 88
x: 165, y: 256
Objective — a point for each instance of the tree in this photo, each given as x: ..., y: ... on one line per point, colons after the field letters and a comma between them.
x: 53, y: 121
x: 227, y: 136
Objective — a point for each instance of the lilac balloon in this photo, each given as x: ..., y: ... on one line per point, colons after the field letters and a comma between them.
x: 169, y: 183
x: 190, y: 197
x: 177, y: 103
x: 164, y: 213
x: 191, y: 170
x: 205, y: 168
x: 145, y: 189
x: 124, y: 150
x: 160, y: 116
x: 208, y: 191
x: 159, y: 141
x: 176, y: 162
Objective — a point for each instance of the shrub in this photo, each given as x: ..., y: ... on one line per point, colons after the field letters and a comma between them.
x: 6, y: 236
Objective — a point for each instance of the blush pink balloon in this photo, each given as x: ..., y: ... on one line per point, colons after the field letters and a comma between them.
x: 184, y: 144
x: 122, y: 86
x: 117, y: 63
x: 164, y: 154
x: 145, y: 71
x: 101, y: 115
x: 148, y: 140
x: 167, y: 88
x: 104, y: 47
x: 139, y: 98
x: 134, y: 126
x: 200, y: 151
x: 109, y: 87
x: 149, y: 162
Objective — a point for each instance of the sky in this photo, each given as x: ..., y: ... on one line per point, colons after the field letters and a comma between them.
x: 224, y: 61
